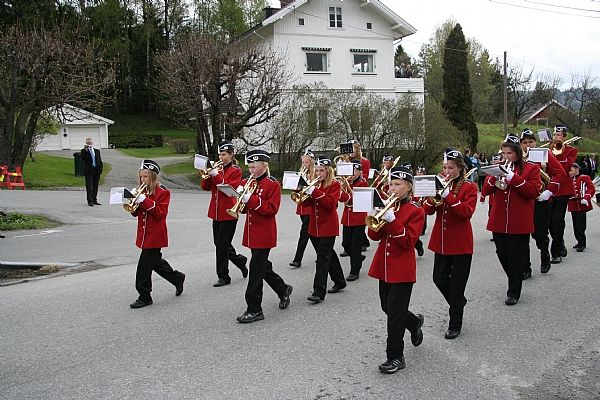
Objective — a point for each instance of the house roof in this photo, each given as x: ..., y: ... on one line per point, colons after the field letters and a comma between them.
x: 400, y: 28
x: 71, y: 115
x: 539, y: 109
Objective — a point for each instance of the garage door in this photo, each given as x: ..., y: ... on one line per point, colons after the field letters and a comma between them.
x: 77, y: 136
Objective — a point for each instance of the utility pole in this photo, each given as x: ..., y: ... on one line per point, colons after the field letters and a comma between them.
x: 505, y: 100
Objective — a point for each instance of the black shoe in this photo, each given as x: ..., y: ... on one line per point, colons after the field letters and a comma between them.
x: 564, y: 252
x: 544, y: 268
x: 284, y: 301
x: 452, y: 334
x: 140, y: 303
x: 420, y: 251
x: 580, y: 249
x: 352, y: 277
x: 250, y: 317
x: 491, y: 239
x: 363, y: 257
x: 556, y: 260
x: 416, y: 337
x: 344, y: 254
x: 244, y: 270
x: 391, y: 366
x: 296, y: 264
x: 96, y: 203
x: 526, y: 275
x: 179, y: 286
x: 575, y: 246
x: 315, y: 298
x: 90, y: 204
x: 510, y: 301
x: 336, y: 289
x: 2, y: 236
x: 221, y: 282
x: 363, y: 249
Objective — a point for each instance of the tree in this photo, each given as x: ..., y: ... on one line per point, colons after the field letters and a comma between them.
x: 431, y: 60
x: 458, y: 96
x: 41, y: 69
x: 220, y: 88
x: 582, y: 94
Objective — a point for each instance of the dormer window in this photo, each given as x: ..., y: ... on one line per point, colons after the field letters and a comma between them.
x: 335, y: 17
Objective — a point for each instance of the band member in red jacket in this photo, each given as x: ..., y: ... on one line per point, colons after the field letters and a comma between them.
x: 353, y: 223
x: 224, y: 225
x: 395, y: 266
x: 324, y: 225
x: 580, y: 204
x: 308, y: 165
x: 260, y: 236
x: 152, y: 210
x: 452, y: 237
x: 541, y: 213
x: 560, y: 200
x: 366, y: 168
x: 511, y: 216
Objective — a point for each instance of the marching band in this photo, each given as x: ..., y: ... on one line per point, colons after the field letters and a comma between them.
x: 528, y: 196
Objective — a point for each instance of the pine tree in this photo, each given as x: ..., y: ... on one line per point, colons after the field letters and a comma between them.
x: 458, y: 96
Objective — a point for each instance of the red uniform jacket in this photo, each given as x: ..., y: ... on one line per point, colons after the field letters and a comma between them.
x: 566, y: 160
x: 556, y: 173
x: 324, y: 220
x: 394, y: 260
x: 302, y: 210
x: 589, y: 191
x: 219, y: 201
x: 366, y: 167
x: 452, y: 233
x: 351, y: 218
x: 512, y: 211
x: 260, y: 229
x: 152, y: 220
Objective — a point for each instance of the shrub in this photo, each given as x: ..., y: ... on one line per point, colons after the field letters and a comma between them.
x: 181, y: 146
x: 131, y: 140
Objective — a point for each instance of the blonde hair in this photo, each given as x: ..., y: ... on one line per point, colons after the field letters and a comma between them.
x: 311, y: 169
x: 329, y: 178
x: 265, y: 164
x: 357, y: 151
x: 151, y: 188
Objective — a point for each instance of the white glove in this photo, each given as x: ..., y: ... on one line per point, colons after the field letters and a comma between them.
x: 388, y: 216
x: 239, y: 189
x: 545, y: 195
x: 584, y: 202
x: 310, y: 190
x: 446, y: 192
x: 214, y: 172
x: 133, y: 191
x: 246, y: 198
x: 140, y: 199
x: 509, y: 176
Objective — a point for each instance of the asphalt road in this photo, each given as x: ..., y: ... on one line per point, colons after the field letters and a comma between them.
x: 73, y: 335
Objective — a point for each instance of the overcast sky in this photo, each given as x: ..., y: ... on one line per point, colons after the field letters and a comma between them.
x: 553, y: 42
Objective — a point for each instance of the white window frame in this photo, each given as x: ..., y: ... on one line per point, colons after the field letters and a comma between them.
x: 303, y: 21
x: 372, y: 64
x: 323, y: 52
x: 338, y: 17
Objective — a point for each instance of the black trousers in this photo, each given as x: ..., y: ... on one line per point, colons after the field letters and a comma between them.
x: 450, y: 275
x: 579, y: 225
x: 151, y: 260
x: 91, y: 185
x: 558, y: 210
x: 261, y: 269
x: 395, y: 298
x: 366, y: 241
x: 304, y: 238
x: 352, y: 242
x: 327, y: 263
x: 223, y: 232
x: 541, y: 220
x: 513, y: 253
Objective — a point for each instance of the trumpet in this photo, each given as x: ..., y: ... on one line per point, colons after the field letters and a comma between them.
x: 437, y: 200
x: 206, y: 174
x: 132, y: 205
x: 374, y: 222
x: 382, y: 179
x: 557, y: 146
x: 238, y: 207
x: 301, y: 196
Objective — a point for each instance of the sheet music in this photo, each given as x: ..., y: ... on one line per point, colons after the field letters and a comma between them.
x: 362, y: 199
x: 538, y: 154
x: 201, y: 162
x: 494, y: 170
x: 116, y: 195
x: 372, y: 173
x: 424, y: 185
x: 544, y: 135
x: 344, y: 169
x: 228, y: 190
x: 291, y: 180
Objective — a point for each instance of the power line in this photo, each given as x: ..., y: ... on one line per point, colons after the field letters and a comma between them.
x: 569, y: 8
x: 542, y: 10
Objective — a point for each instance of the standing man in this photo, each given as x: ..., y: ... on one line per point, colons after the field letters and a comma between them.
x: 92, y: 169
x: 560, y: 200
x: 593, y: 165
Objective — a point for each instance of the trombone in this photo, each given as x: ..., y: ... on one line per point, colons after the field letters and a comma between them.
x: 374, y: 222
x: 132, y: 205
x: 557, y: 146
x: 238, y: 207
x: 383, y: 177
x: 301, y: 196
x: 206, y: 174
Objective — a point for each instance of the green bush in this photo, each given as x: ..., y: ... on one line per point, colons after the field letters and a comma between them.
x: 137, y: 140
x: 181, y: 146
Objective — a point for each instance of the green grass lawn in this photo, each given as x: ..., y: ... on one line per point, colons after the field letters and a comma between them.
x: 152, y: 124
x: 154, y: 152
x: 17, y: 221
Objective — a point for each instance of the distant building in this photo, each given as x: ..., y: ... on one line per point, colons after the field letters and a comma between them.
x: 544, y: 114
x: 75, y: 126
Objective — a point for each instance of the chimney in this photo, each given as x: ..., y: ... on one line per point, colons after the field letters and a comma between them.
x: 285, y: 3
x: 269, y: 11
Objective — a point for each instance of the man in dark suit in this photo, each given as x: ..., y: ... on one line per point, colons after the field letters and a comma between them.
x: 92, y: 168
x: 593, y: 165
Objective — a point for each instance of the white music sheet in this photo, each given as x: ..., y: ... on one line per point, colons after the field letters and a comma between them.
x: 116, y: 196
x: 228, y: 190
x: 372, y: 173
x: 362, y: 199
x: 538, y: 155
x: 544, y: 135
x: 201, y: 162
x: 291, y: 180
x: 494, y: 170
x: 424, y: 185
x: 344, y: 169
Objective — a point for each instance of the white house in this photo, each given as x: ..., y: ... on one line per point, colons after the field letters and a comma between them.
x: 75, y: 126
x: 343, y: 43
